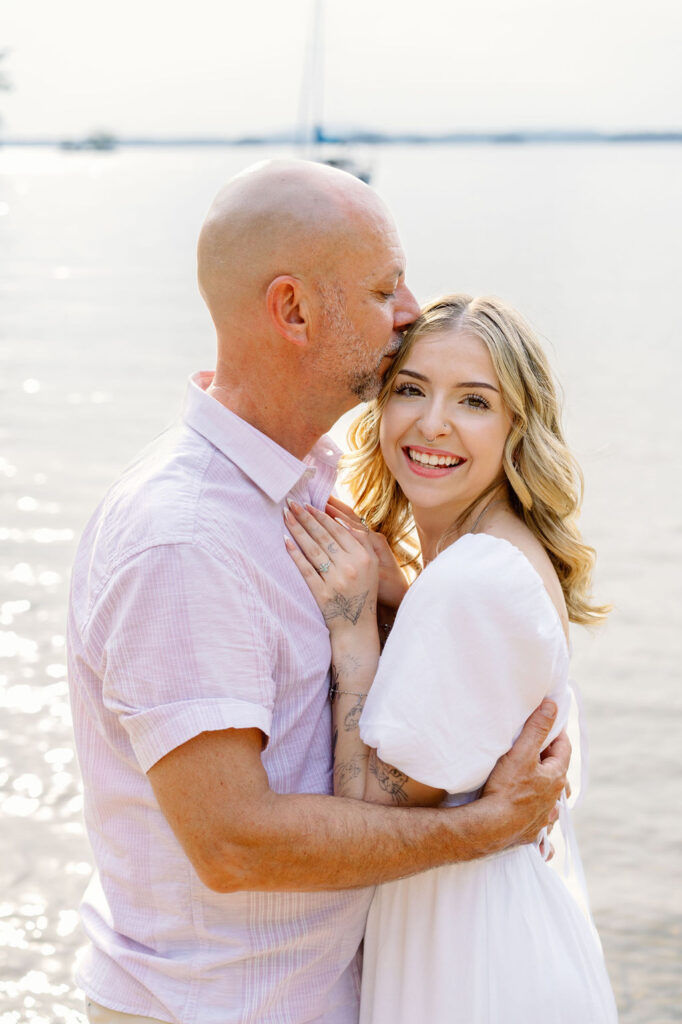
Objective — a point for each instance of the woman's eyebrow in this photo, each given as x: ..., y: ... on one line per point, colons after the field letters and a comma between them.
x: 413, y: 373
x: 462, y: 384
x: 477, y: 384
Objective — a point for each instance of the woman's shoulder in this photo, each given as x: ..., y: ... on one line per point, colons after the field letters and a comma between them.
x: 508, y: 527
x: 502, y: 548
x: 531, y: 556
x: 504, y: 572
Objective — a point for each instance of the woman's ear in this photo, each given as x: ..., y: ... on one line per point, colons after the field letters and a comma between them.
x: 288, y: 308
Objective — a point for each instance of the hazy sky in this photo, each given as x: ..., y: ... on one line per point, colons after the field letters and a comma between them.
x: 218, y: 67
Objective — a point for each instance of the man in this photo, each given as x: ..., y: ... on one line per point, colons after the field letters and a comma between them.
x: 231, y: 887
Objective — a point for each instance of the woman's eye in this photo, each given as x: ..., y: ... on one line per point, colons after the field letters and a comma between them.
x: 407, y: 389
x: 476, y: 401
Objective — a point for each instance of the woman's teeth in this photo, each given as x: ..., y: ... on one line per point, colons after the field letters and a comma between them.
x: 433, y: 460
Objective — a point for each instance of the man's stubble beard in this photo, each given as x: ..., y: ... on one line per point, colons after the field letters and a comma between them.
x: 341, y: 335
x: 366, y: 386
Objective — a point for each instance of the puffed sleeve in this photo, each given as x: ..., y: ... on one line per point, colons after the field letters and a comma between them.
x: 476, y: 645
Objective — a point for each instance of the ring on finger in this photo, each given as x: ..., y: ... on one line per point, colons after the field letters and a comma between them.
x: 323, y: 567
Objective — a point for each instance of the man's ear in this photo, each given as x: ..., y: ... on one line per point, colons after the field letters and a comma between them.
x: 287, y: 308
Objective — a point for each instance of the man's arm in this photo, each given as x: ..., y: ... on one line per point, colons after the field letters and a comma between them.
x: 240, y: 835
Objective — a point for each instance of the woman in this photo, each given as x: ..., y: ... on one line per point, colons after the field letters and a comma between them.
x: 465, y: 443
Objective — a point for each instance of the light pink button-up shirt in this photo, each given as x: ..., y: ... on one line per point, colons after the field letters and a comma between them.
x: 188, y: 615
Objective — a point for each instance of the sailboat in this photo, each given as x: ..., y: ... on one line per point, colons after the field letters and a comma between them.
x: 311, y: 138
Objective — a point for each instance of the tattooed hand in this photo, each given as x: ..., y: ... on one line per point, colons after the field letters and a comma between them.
x: 340, y: 567
x: 348, y: 608
x: 392, y: 580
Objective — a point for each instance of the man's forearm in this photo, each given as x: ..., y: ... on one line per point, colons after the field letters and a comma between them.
x: 309, y: 843
x: 239, y: 834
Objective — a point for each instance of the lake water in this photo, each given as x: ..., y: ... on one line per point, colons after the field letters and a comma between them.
x: 100, y: 325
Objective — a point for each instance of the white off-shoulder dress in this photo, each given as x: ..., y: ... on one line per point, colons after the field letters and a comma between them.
x: 477, y: 644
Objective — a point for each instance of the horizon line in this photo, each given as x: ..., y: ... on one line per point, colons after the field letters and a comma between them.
x: 109, y: 139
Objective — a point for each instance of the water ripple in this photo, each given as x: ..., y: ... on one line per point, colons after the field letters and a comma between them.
x: 43, y: 535
x: 14, y: 646
x: 10, y: 609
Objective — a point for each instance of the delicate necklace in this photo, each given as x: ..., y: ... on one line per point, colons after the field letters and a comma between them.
x: 479, y: 517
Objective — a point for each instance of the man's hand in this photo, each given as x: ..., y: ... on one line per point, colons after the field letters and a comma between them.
x: 527, y: 782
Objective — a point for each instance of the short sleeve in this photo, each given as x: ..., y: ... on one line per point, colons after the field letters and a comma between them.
x: 184, y: 647
x: 476, y: 645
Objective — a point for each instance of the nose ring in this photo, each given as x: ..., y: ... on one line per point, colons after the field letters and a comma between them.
x: 430, y: 439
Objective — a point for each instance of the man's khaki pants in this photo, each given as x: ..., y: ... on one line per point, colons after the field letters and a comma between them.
x: 100, y: 1015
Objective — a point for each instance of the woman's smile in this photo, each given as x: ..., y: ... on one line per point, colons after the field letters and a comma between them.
x: 431, y: 462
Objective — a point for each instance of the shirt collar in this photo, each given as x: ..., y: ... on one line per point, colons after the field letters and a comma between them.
x: 271, y: 468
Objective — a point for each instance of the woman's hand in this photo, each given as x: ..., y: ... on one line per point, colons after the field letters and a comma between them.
x: 392, y: 582
x: 339, y: 565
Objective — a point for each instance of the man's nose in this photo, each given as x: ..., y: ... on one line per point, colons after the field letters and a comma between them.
x: 407, y: 307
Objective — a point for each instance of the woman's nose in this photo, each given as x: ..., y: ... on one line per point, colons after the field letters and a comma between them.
x: 434, y: 426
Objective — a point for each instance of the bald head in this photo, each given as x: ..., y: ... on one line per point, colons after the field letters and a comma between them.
x: 289, y: 217
x: 302, y: 270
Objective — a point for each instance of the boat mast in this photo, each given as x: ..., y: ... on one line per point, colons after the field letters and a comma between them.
x: 311, y: 132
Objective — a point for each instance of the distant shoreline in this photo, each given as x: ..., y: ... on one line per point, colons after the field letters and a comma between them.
x: 360, y: 138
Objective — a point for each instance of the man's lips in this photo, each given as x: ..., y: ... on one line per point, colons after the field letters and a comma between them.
x: 397, y: 342
x: 431, y: 461
x: 393, y: 351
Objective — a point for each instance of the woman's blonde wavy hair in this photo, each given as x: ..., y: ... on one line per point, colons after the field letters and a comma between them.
x: 543, y: 480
